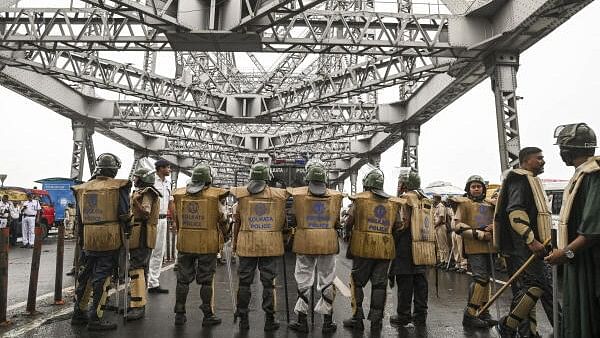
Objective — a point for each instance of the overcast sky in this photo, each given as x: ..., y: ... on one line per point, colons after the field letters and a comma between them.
x: 558, y: 80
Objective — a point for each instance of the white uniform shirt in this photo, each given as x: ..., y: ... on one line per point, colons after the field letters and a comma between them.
x: 15, y: 211
x: 164, y: 187
x: 4, y: 209
x: 32, y: 208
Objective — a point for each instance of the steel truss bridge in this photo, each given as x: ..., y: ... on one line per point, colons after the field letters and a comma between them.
x: 258, y: 79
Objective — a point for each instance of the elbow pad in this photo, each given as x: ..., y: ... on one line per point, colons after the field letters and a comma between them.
x: 519, y: 220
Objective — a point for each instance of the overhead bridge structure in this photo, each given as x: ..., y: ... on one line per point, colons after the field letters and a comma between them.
x: 254, y: 80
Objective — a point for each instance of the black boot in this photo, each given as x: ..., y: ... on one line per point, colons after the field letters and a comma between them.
x: 472, y: 321
x: 180, y: 319
x: 376, y: 325
x: 79, y: 317
x: 97, y: 324
x: 354, y: 323
x: 136, y: 313
x: 503, y: 330
x: 301, y: 324
x: 328, y: 325
x: 488, y: 318
x: 210, y: 320
x: 244, y: 322
x: 399, y: 321
x: 271, y: 324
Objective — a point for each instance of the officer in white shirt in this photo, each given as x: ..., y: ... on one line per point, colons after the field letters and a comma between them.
x: 163, y: 185
x: 15, y: 214
x: 4, y: 211
x: 30, y: 210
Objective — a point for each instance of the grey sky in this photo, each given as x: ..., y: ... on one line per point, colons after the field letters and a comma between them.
x: 558, y: 80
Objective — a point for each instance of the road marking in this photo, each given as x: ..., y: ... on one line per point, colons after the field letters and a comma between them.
x: 41, y: 320
x: 39, y: 298
x: 37, y: 322
x: 342, y: 287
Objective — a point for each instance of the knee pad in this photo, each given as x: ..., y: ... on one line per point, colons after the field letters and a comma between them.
x: 524, y: 307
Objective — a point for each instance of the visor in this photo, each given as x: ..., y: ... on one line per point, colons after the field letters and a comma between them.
x: 194, y: 188
x: 317, y: 188
x: 256, y: 186
x: 380, y: 193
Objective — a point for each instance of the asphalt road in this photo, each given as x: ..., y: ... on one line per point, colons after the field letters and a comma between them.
x: 444, y: 319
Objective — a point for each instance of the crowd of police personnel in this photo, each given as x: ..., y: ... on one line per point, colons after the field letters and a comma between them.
x: 391, y: 240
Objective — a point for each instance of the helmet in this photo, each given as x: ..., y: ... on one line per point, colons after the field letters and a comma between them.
x: 412, y: 181
x: 475, y: 178
x: 316, y: 173
x: 260, y: 172
x: 108, y: 161
x: 146, y: 175
x: 201, y: 177
x: 373, y: 181
x: 316, y: 177
x: 575, y: 136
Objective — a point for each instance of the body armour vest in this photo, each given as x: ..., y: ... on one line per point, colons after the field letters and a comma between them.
x: 590, y: 166
x: 543, y: 217
x: 198, y: 218
x: 316, y: 217
x: 422, y: 228
x: 477, y: 215
x: 262, y: 217
x: 98, y: 203
x: 140, y: 224
x: 374, y: 220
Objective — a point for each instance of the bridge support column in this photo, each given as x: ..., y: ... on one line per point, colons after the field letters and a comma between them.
x: 137, y: 156
x: 410, y: 153
x: 503, y: 70
x: 79, y: 147
x: 353, y: 179
x: 174, y: 177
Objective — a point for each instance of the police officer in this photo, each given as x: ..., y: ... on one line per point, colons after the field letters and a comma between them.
x: 578, y: 232
x: 412, y: 253
x: 145, y: 208
x: 317, y: 211
x: 522, y: 224
x: 371, y: 221
x: 474, y: 222
x: 30, y: 210
x: 103, y: 211
x: 201, y: 221
x: 4, y: 211
x: 258, y: 223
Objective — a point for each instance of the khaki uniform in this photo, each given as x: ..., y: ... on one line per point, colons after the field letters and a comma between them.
x: 103, y: 205
x: 144, y: 209
x: 315, y: 245
x: 260, y: 219
x: 441, y: 235
x: 415, y: 248
x: 372, y: 220
x: 201, y: 222
x: 471, y: 218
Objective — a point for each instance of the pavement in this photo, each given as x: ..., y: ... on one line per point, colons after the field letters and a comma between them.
x: 444, y: 319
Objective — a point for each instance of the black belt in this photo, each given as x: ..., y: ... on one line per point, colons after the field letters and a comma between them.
x: 30, y: 215
x: 3, y: 217
x: 162, y: 216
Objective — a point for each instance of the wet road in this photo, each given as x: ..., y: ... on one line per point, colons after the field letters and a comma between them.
x: 19, y: 269
x: 444, y: 320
